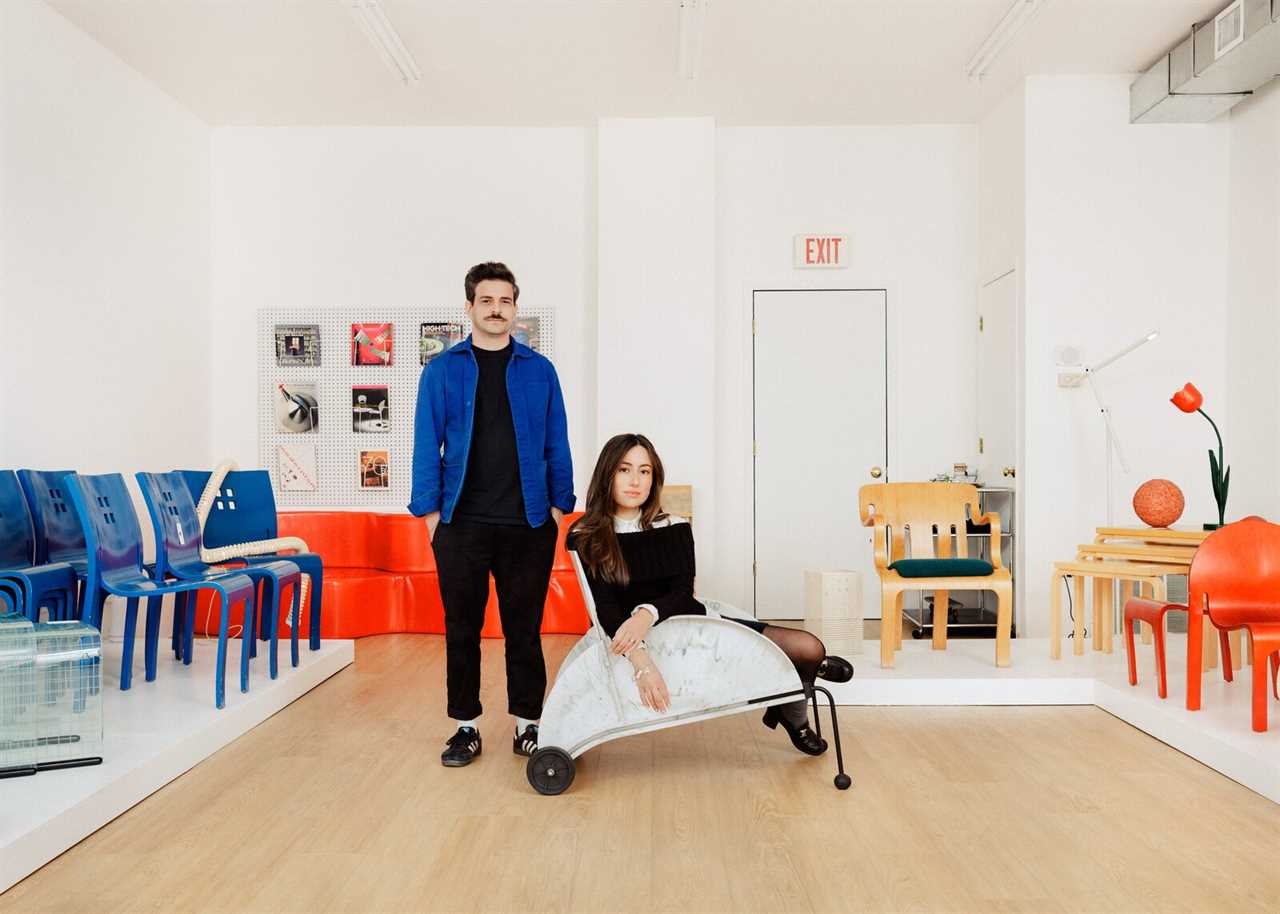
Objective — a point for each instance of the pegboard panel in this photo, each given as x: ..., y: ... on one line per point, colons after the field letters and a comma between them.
x: 328, y: 455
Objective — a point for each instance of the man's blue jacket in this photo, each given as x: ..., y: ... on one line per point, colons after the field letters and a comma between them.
x: 443, y: 426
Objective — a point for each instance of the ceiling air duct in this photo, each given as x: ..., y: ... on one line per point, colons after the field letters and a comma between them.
x: 1217, y: 66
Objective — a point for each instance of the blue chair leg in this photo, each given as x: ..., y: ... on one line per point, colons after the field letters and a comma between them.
x: 270, y: 618
x: 152, y: 646
x: 179, y: 614
x: 126, y: 656
x: 220, y: 674
x: 247, y: 639
x: 189, y: 629
x: 295, y: 622
x: 317, y: 590
x: 275, y: 626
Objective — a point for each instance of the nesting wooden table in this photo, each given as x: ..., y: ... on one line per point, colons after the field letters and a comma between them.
x: 1133, y: 556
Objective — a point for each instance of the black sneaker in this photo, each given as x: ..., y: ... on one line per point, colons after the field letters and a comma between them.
x: 462, y: 748
x: 526, y: 743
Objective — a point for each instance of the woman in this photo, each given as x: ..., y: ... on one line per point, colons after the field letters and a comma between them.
x: 640, y: 566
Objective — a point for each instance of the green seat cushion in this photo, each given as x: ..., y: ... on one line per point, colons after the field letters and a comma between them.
x: 942, y: 568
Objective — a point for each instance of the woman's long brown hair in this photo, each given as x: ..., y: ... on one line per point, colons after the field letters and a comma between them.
x: 597, y: 543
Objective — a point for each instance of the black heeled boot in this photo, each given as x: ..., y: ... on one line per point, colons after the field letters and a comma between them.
x: 835, y: 669
x: 802, y: 737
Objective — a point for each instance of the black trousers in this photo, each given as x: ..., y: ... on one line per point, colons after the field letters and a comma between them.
x: 520, y: 560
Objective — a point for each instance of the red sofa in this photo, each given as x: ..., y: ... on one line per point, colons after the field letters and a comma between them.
x: 380, y: 577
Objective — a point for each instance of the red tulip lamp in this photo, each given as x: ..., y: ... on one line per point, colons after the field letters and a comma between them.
x: 1189, y: 400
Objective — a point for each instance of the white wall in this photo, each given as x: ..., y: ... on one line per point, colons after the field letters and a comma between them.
x: 104, y: 183
x: 656, y: 340
x: 1002, y: 192
x: 332, y: 217
x: 1251, y: 434
x: 1126, y: 230
x: 906, y: 198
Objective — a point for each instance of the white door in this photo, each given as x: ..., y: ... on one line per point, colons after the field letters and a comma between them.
x: 821, y: 432
x: 997, y: 381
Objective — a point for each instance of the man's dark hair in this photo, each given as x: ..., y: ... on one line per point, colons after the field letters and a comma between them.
x: 491, y: 270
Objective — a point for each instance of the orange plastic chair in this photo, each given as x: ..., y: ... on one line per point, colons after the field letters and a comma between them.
x: 1235, y: 579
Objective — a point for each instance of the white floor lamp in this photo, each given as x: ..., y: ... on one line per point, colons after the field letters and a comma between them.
x: 1087, y: 375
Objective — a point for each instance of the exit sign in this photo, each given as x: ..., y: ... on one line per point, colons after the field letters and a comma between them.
x: 821, y: 252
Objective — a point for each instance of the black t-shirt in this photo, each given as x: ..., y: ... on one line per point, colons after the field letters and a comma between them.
x: 491, y: 489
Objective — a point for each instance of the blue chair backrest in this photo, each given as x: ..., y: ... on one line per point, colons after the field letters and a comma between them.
x: 59, y: 536
x: 244, y: 510
x: 111, y: 526
x: 174, y: 519
x: 16, y: 548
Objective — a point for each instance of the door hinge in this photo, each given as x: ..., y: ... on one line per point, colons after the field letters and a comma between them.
x: 980, y: 450
x: 755, y: 448
x: 753, y: 569
x: 755, y: 327
x: 980, y: 323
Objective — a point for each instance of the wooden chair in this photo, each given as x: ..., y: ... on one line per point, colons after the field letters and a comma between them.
x: 932, y: 517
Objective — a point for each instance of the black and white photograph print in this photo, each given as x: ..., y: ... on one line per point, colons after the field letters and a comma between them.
x: 298, y: 344
x: 370, y: 409
x: 297, y: 407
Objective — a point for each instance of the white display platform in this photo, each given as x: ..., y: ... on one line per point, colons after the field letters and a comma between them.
x: 153, y: 733
x: 1219, y: 735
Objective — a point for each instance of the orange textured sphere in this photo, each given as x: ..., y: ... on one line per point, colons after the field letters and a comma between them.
x: 1158, y: 502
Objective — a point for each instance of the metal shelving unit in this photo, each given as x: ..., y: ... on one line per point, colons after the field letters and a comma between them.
x: 971, y: 613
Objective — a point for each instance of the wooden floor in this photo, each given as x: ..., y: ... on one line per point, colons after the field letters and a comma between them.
x: 339, y: 803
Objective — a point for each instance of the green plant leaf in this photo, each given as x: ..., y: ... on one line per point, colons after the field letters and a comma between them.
x: 1215, y: 474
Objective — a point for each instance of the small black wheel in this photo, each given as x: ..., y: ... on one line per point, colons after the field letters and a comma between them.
x: 550, y: 771
x: 917, y: 633
x: 843, y: 781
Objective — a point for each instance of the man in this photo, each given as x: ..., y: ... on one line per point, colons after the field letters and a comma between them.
x: 493, y: 477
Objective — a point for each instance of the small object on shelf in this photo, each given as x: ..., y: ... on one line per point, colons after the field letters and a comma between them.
x: 1189, y: 400
x: 1158, y: 503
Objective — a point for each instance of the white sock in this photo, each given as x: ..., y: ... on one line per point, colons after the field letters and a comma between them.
x: 470, y: 723
x: 521, y: 723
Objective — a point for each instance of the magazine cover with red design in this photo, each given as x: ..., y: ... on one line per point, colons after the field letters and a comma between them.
x: 371, y: 344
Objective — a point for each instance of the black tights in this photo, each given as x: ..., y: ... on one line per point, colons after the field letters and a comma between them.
x: 805, y: 651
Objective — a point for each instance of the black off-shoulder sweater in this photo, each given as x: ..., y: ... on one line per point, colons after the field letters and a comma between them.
x: 662, y: 566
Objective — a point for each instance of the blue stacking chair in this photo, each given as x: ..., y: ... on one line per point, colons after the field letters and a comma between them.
x: 177, y: 528
x: 58, y: 534
x: 245, y: 512
x: 29, y: 586
x: 114, y: 542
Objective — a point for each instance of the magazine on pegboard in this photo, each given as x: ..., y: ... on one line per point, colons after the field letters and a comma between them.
x: 436, y: 337
x: 371, y: 344
x: 298, y: 344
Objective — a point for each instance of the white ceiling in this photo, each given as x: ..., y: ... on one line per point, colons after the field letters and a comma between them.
x: 571, y: 61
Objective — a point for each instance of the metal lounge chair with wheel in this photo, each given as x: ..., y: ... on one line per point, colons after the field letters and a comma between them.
x: 713, y: 668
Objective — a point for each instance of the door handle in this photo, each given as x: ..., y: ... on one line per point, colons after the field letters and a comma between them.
x: 876, y: 472
x: 1010, y: 471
